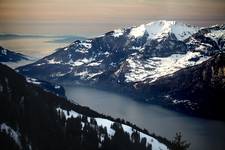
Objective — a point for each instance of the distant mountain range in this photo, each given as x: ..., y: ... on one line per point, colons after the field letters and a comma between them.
x: 55, y: 38
x: 10, y: 56
x: 13, y: 59
x: 32, y: 118
x: 140, y: 60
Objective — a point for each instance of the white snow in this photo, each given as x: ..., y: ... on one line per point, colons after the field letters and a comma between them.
x: 58, y: 74
x: 136, y: 48
x: 138, y: 31
x: 12, y: 133
x: 106, y: 123
x: 118, y: 32
x: 86, y: 45
x: 85, y: 60
x: 4, y: 52
x: 53, y: 61
x: 83, y: 74
x: 94, y: 64
x: 156, y: 67
x: 106, y: 53
x: 32, y: 80
x: 40, y: 64
x: 91, y: 75
x: 76, y: 63
x: 156, y: 145
x: 162, y: 28
x: 80, y: 61
x: 57, y: 87
x: 97, y: 63
x: 87, y: 75
x: 216, y: 34
x: 82, y: 50
x: 68, y: 114
x: 187, y: 104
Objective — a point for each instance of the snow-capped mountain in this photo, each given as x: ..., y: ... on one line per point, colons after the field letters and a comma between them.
x: 13, y: 59
x: 124, y: 57
x: 161, y: 29
x: 31, y: 118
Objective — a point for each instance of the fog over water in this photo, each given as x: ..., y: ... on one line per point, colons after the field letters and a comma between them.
x: 36, y: 46
x: 202, y: 133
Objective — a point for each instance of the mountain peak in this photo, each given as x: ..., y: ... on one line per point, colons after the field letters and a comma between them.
x: 163, y: 22
x: 161, y: 28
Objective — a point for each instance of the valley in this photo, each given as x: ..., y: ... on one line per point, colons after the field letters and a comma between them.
x: 154, y: 118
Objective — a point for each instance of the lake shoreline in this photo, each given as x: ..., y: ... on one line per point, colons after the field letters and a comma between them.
x: 154, y: 118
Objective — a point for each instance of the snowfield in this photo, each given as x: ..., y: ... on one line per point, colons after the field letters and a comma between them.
x: 118, y: 33
x: 155, y: 67
x: 162, y: 28
x: 156, y: 145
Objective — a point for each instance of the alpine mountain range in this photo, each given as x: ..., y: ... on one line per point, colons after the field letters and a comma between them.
x: 169, y: 63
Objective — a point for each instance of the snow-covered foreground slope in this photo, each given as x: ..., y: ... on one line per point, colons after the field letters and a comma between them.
x: 31, y: 118
x: 156, y: 145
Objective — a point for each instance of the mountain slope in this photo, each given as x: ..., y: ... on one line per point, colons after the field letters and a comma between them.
x: 31, y: 118
x: 7, y: 55
x: 13, y: 59
x: 125, y: 57
x: 199, y: 89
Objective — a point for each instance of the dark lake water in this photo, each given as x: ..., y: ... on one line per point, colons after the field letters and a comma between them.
x: 202, y: 133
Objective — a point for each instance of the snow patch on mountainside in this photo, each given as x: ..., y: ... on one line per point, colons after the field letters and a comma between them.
x: 80, y: 61
x: 87, y: 44
x: 156, y: 145
x: 32, y: 80
x: 53, y: 61
x: 95, y: 63
x: 4, y: 51
x: 118, y: 32
x: 215, y: 35
x: 138, y: 31
x: 155, y: 67
x: 86, y: 75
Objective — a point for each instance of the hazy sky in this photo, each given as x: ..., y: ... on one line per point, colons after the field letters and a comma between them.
x: 93, y: 17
